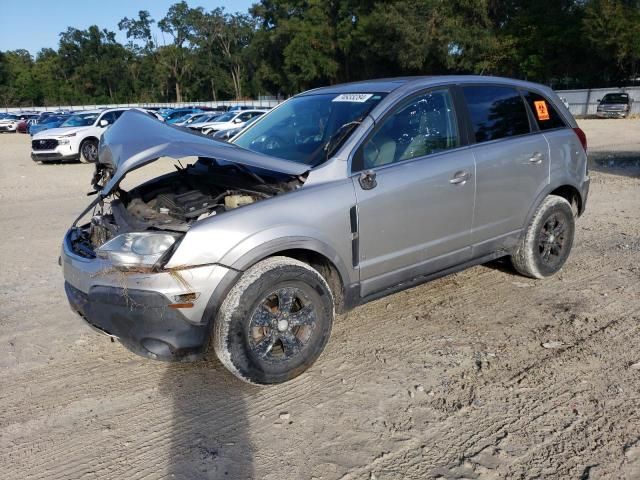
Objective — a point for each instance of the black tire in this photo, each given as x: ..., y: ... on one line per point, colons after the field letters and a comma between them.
x: 89, y: 151
x: 548, y: 239
x: 275, y: 322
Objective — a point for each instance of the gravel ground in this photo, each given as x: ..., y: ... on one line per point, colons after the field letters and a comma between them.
x: 448, y: 380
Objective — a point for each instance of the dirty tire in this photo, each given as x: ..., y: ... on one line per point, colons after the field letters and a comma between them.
x: 535, y: 257
x: 275, y: 322
x: 89, y: 151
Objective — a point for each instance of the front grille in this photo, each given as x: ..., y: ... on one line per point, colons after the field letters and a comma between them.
x: 46, y: 144
x: 614, y: 108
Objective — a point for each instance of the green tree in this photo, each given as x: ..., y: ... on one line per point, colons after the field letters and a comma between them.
x: 612, y: 28
x: 179, y: 23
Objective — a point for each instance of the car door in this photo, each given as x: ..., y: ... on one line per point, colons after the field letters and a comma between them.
x: 414, y: 184
x: 512, y: 164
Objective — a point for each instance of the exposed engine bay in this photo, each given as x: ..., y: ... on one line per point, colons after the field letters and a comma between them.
x: 175, y: 201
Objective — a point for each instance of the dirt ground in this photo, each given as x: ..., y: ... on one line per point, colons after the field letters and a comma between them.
x: 448, y: 380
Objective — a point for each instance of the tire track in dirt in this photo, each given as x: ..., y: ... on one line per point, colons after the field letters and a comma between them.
x: 454, y: 452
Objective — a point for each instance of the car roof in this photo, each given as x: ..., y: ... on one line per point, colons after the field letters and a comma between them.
x: 388, y: 85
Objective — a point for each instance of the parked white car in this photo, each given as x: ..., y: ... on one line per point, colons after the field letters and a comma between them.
x: 205, y: 121
x: 9, y: 123
x: 190, y: 118
x: 76, y: 139
x: 231, y: 120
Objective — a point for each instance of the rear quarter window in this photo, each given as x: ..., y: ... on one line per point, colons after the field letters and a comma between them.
x: 496, y: 112
x: 546, y: 115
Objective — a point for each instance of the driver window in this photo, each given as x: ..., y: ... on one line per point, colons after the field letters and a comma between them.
x: 109, y: 117
x: 425, y: 126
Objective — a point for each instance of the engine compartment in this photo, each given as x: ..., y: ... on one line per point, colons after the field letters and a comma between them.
x: 177, y: 200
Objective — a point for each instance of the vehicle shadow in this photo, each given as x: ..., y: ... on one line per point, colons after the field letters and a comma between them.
x: 502, y: 264
x: 209, y: 433
x: 623, y: 163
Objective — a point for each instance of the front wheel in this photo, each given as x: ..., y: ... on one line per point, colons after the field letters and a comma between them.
x: 548, y: 239
x: 275, y: 322
x: 89, y: 151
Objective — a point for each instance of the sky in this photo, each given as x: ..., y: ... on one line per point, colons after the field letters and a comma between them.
x: 36, y: 24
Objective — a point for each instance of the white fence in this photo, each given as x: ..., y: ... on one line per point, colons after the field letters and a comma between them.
x: 259, y: 103
x: 583, y: 103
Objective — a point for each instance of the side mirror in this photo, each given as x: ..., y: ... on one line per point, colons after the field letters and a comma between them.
x: 237, y: 120
x: 104, y: 123
x: 599, y: 100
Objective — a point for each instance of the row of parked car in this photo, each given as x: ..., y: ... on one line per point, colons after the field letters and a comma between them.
x: 72, y: 136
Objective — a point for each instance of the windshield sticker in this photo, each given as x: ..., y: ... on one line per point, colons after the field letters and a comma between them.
x: 541, y: 110
x: 353, y: 97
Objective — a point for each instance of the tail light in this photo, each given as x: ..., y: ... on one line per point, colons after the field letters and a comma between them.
x: 582, y: 137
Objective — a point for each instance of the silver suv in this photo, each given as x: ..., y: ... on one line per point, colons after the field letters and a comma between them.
x: 338, y: 196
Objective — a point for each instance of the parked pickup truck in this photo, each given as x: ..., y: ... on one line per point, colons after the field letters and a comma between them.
x: 614, y: 105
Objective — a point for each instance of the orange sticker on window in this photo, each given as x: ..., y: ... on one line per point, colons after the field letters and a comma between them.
x: 541, y: 110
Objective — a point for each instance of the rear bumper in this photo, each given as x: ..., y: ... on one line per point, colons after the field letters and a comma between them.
x: 585, y: 193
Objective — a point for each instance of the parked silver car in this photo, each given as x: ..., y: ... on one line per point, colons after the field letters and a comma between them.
x: 338, y: 196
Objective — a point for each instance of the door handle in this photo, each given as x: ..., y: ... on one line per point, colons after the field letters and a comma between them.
x: 460, y: 178
x: 536, y: 158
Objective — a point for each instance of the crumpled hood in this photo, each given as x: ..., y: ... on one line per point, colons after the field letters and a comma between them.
x: 137, y: 139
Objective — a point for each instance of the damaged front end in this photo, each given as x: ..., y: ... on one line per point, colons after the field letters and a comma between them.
x: 139, y: 228
x: 116, y: 253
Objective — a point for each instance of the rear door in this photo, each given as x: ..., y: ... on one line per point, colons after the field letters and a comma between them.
x: 414, y: 187
x: 512, y: 163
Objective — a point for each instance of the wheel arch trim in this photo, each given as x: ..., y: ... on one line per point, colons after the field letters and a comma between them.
x: 548, y: 190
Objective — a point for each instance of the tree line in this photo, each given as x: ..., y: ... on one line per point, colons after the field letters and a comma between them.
x: 281, y: 47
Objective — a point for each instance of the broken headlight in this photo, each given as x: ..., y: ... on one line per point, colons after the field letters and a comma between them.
x: 131, y: 250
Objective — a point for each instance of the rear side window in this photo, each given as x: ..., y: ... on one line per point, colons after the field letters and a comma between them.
x: 544, y: 112
x: 496, y: 112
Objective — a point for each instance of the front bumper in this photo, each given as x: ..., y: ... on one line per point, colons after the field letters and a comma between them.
x: 52, y: 156
x: 612, y: 114
x: 134, y: 307
x: 7, y: 128
x: 67, y: 152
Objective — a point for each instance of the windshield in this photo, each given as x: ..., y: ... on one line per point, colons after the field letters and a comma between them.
x: 53, y: 119
x: 11, y: 117
x: 193, y: 117
x: 615, y: 98
x: 183, y: 118
x: 177, y: 114
x: 308, y: 129
x: 227, y: 117
x: 80, y: 120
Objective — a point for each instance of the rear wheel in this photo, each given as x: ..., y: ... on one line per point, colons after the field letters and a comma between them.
x: 89, y: 151
x: 548, y: 239
x: 275, y: 322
